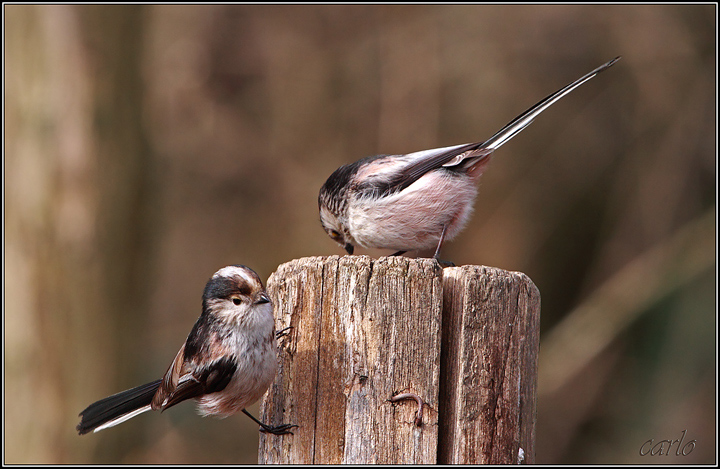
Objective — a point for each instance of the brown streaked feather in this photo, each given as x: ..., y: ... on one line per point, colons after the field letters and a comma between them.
x: 170, y: 380
x: 206, y: 380
x: 188, y: 389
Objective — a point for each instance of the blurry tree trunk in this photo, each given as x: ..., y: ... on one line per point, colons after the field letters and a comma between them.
x: 78, y: 172
x: 463, y: 339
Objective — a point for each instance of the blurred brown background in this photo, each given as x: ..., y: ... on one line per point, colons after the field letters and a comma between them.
x: 147, y: 146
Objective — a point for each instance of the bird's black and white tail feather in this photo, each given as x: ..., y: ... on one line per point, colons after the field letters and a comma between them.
x: 458, y: 157
x: 503, y: 135
x: 117, y: 408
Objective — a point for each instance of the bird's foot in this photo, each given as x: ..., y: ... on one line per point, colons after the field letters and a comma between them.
x: 283, y: 429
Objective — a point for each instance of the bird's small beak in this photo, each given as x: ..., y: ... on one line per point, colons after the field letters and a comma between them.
x: 349, y: 248
x: 263, y: 298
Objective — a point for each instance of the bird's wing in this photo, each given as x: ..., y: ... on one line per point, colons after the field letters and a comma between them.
x: 170, y: 380
x: 205, y: 380
x: 408, y: 168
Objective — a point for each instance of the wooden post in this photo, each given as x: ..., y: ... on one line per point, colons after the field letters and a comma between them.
x: 364, y: 330
x: 491, y: 338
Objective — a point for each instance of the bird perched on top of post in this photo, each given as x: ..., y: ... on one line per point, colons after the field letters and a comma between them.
x: 416, y: 201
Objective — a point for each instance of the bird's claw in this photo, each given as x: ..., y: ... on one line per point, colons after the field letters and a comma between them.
x: 445, y: 264
x: 283, y: 429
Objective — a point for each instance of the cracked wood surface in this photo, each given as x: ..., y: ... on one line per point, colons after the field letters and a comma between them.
x: 364, y: 330
x: 489, y: 378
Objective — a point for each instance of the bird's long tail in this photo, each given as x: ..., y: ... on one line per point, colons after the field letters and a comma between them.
x: 473, y: 156
x: 117, y: 408
x: 524, y: 119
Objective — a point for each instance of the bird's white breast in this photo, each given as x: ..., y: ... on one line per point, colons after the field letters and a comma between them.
x: 253, y: 343
x: 414, y: 218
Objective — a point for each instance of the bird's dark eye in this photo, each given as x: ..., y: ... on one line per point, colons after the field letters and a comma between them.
x: 335, y: 235
x: 237, y: 301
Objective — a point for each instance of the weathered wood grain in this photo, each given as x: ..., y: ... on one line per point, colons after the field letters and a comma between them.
x: 364, y: 330
x: 489, y: 366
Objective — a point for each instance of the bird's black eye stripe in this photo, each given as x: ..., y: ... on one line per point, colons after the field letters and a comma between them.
x: 236, y: 301
x: 226, y: 289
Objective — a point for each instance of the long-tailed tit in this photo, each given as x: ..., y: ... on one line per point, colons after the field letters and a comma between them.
x: 227, y: 362
x: 415, y: 201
